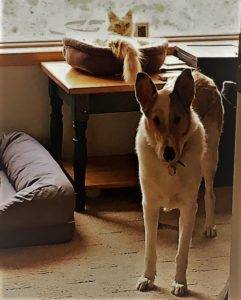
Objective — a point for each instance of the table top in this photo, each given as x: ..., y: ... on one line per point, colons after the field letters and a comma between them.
x: 73, y: 81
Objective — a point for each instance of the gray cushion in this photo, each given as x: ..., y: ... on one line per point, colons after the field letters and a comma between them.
x: 36, y: 193
x: 7, y: 191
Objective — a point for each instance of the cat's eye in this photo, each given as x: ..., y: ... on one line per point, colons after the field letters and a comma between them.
x: 176, y: 119
x: 127, y: 25
x: 117, y: 26
x: 156, y: 121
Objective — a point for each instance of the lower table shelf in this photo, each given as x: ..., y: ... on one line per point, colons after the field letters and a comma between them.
x: 105, y: 172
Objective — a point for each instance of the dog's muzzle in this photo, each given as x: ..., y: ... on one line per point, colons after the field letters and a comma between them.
x: 169, y: 154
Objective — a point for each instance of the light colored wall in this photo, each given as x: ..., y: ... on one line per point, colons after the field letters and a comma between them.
x: 24, y: 105
x: 235, y: 264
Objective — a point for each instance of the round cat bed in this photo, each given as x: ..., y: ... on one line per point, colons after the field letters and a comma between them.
x: 99, y: 60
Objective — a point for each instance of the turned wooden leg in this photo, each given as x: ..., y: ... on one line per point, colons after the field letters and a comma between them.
x: 79, y: 163
x: 81, y: 116
x: 56, y: 122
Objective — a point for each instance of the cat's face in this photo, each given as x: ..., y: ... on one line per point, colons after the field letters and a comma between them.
x: 123, y: 26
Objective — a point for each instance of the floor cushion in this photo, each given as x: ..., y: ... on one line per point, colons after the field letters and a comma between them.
x: 36, y: 198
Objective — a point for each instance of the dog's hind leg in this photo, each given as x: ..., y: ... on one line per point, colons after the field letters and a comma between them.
x: 209, y: 166
x: 151, y: 216
x: 186, y: 225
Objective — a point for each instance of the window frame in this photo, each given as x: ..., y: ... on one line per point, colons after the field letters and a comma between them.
x: 33, y: 53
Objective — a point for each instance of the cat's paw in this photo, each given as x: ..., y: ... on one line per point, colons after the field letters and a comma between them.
x: 178, y: 289
x: 210, y: 232
x: 144, y: 284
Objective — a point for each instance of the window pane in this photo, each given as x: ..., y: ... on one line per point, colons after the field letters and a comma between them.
x: 41, y: 20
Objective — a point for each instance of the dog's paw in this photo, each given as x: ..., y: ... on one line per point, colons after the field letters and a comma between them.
x: 144, y: 284
x: 210, y: 232
x: 178, y: 289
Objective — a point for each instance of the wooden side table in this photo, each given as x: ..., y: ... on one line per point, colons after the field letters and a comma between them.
x: 218, y: 60
x: 69, y: 86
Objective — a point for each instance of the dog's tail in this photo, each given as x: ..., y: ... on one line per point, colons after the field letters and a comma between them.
x: 130, y: 56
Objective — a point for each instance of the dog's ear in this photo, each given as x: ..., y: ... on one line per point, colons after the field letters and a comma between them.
x: 184, y: 88
x: 112, y: 16
x: 146, y: 92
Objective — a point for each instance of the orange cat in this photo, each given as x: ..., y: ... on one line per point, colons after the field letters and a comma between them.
x: 123, y: 26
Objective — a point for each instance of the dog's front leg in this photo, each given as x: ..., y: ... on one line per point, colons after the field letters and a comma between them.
x: 151, y: 215
x: 186, y: 225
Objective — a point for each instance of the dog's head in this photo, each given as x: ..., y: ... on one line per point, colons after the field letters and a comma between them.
x: 167, y: 113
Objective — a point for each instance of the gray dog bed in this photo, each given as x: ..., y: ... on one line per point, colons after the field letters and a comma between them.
x: 36, y: 198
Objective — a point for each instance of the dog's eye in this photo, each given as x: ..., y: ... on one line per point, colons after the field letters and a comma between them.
x: 176, y: 119
x: 156, y: 121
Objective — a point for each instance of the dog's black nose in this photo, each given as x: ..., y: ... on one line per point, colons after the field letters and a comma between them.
x: 169, y: 153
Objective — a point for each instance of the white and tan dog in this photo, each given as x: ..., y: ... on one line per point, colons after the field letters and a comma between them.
x: 177, y: 144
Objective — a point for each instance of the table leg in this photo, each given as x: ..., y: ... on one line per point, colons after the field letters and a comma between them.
x: 80, y: 111
x: 56, y: 122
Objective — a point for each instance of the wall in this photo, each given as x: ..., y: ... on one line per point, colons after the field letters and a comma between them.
x: 235, y: 264
x: 24, y: 105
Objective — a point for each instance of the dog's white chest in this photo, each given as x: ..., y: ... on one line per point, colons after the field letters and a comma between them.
x: 167, y: 187
x: 159, y: 184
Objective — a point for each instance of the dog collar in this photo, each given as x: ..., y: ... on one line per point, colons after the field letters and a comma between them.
x: 172, y: 169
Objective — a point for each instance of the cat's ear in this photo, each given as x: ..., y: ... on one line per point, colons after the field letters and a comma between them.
x: 112, y: 16
x: 128, y: 15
